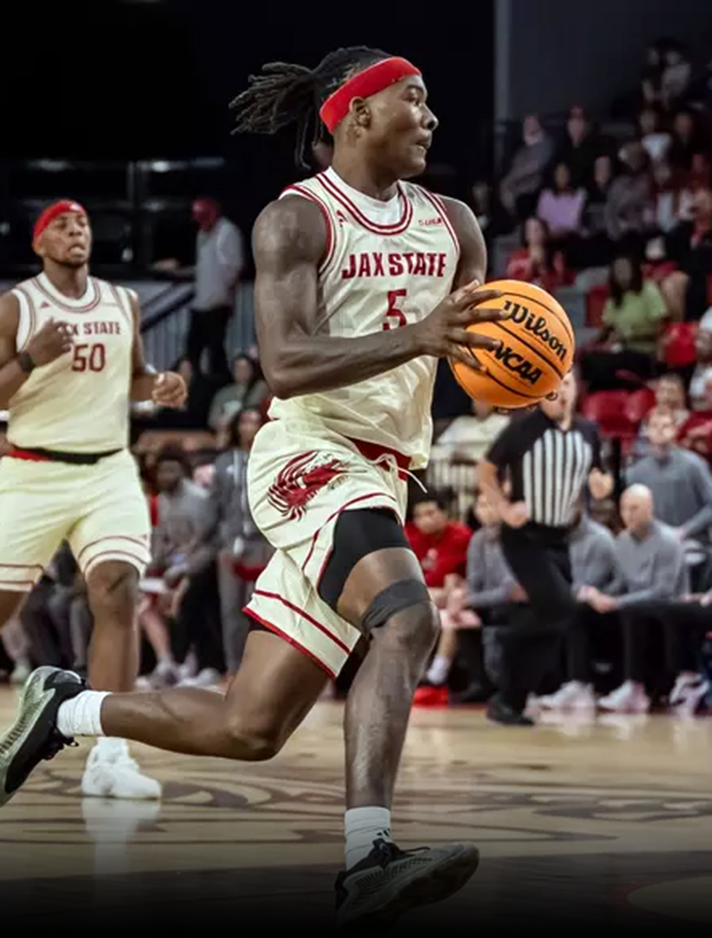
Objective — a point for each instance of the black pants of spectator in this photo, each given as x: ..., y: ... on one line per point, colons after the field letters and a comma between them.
x: 539, y: 558
x: 512, y: 653
x: 592, y: 635
x: 197, y: 623
x: 207, y: 330
x: 683, y: 626
x: 599, y: 369
x: 49, y: 638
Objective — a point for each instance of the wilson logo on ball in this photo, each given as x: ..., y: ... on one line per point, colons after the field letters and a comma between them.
x: 518, y: 364
x: 537, y: 326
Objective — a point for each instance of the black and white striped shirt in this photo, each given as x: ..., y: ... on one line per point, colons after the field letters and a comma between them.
x: 548, y: 467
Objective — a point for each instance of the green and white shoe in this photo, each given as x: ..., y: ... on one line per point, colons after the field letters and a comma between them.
x: 34, y: 736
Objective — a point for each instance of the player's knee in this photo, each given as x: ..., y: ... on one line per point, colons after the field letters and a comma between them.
x: 253, y: 739
x: 113, y: 591
x: 403, y: 614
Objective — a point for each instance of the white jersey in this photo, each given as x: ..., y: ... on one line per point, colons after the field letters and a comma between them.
x: 80, y: 402
x: 386, y: 265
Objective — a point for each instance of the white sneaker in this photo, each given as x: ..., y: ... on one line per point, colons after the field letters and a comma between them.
x: 207, y: 678
x: 21, y: 672
x: 572, y: 696
x: 687, y: 694
x: 628, y: 698
x: 112, y: 773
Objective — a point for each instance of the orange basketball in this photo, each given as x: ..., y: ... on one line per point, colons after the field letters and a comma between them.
x: 537, y: 348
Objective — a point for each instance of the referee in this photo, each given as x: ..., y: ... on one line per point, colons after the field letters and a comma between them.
x: 546, y: 459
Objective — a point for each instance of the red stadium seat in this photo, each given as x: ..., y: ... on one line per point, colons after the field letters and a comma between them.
x: 609, y: 410
x: 638, y: 406
x: 679, y: 341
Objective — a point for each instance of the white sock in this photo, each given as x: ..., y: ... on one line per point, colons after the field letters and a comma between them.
x: 81, y: 716
x: 363, y: 826
x: 439, y: 669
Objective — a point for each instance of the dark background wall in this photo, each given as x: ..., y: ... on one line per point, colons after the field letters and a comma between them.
x: 552, y: 53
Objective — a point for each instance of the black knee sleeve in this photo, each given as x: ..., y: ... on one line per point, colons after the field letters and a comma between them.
x: 393, y: 599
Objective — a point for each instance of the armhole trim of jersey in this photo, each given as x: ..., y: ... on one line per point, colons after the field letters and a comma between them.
x: 330, y: 248
x: 123, y: 299
x: 440, y: 208
x: 27, y: 321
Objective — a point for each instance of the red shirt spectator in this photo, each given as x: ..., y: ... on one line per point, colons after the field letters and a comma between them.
x: 537, y: 262
x: 439, y: 544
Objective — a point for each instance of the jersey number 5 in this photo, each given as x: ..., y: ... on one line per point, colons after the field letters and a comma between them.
x: 91, y: 357
x: 395, y: 317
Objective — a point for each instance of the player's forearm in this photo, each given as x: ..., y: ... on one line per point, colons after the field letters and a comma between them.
x: 310, y: 364
x: 12, y: 377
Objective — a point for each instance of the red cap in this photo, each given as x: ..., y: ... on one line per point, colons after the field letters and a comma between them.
x: 54, y: 211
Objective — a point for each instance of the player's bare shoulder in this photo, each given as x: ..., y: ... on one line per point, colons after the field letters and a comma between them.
x: 473, y: 250
x: 289, y: 230
x: 9, y: 325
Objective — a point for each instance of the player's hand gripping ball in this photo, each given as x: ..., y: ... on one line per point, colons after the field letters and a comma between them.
x: 170, y: 390
x: 537, y: 349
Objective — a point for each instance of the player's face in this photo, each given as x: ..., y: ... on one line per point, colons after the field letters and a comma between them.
x: 168, y: 475
x: 67, y: 240
x: 401, y: 127
x: 429, y: 518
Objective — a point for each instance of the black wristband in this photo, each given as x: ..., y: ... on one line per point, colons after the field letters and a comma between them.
x: 26, y: 363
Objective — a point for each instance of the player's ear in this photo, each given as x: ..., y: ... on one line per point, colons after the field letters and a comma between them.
x: 38, y: 248
x: 360, y: 112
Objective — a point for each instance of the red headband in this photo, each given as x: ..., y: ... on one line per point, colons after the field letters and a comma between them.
x: 54, y: 211
x: 370, y: 81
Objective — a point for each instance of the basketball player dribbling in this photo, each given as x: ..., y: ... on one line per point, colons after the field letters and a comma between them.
x: 362, y: 283
x: 71, y: 359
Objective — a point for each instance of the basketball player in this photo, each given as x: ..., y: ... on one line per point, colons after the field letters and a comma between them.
x: 362, y: 282
x: 71, y: 360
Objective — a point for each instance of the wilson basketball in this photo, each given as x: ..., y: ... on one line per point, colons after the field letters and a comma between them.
x: 537, y: 348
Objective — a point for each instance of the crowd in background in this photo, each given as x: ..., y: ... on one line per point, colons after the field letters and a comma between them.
x: 627, y: 219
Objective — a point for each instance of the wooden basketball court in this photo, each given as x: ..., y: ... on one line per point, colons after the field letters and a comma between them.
x: 606, y: 822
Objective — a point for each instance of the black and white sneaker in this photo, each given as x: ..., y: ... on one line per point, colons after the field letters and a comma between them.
x: 389, y: 881
x: 33, y: 736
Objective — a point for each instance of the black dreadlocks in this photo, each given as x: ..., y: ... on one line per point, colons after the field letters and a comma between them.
x: 283, y: 94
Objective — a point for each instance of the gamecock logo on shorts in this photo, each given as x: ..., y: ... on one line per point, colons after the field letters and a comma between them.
x: 298, y: 483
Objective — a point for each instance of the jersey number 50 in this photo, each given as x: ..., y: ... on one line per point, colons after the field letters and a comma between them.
x: 395, y: 317
x: 89, y: 357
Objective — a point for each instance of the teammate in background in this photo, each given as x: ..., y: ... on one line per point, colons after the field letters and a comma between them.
x: 71, y: 359
x: 362, y: 283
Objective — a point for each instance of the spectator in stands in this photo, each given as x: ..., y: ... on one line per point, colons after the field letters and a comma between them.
x: 685, y: 141
x: 248, y: 389
x: 187, y: 569
x: 579, y: 148
x: 689, y: 244
x: 702, y: 375
x: 594, y: 248
x: 628, y: 198
x: 656, y: 141
x: 490, y: 597
x: 220, y: 260
x: 651, y: 564
x: 468, y: 437
x: 439, y: 543
x: 520, y: 186
x: 633, y: 319
x: 537, y: 261
x: 669, y: 200
x: 560, y: 206
x: 241, y: 549
x: 681, y: 487
x: 670, y: 398
x: 676, y: 74
x: 593, y: 564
